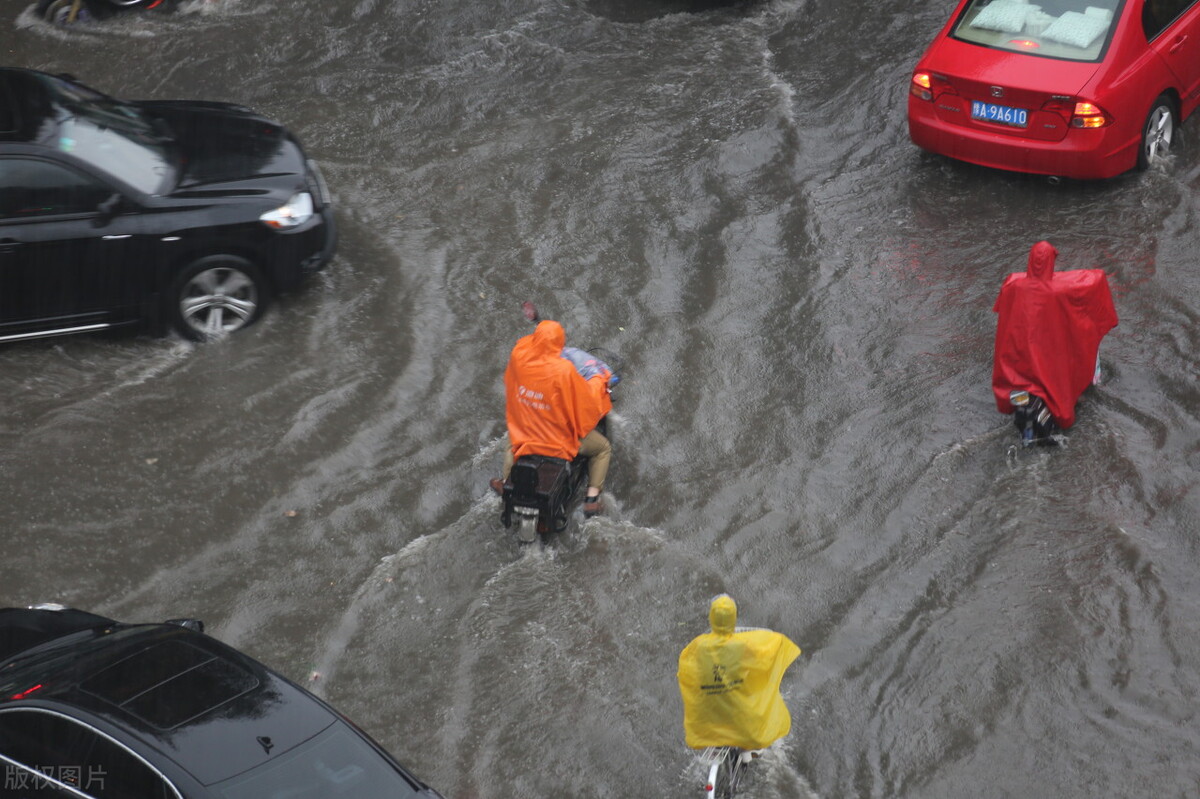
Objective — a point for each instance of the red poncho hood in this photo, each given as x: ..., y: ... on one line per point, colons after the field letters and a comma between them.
x: 1048, y: 332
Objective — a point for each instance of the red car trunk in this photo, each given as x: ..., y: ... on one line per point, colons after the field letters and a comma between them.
x: 1007, y: 80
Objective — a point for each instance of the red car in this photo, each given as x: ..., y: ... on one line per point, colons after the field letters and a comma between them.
x: 1072, y: 88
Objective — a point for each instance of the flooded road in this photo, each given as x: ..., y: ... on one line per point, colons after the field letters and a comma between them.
x: 724, y: 194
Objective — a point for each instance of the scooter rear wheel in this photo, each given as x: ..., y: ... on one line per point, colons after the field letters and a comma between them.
x: 526, y: 529
x: 58, y: 12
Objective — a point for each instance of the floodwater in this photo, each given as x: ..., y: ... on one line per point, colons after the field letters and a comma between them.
x: 725, y: 194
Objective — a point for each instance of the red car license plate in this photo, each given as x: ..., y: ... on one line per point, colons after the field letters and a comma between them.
x: 1003, y: 114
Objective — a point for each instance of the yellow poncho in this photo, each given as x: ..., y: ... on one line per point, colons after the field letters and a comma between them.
x: 730, y: 683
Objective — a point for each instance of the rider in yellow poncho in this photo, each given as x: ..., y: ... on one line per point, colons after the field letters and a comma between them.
x: 730, y: 683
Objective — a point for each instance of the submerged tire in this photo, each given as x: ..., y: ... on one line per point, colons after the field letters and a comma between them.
x: 1158, y: 133
x: 58, y: 12
x: 527, y: 531
x: 216, y: 296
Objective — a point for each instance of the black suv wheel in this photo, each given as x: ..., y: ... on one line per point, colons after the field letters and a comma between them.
x: 216, y: 296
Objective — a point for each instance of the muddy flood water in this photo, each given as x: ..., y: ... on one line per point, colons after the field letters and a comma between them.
x: 724, y: 193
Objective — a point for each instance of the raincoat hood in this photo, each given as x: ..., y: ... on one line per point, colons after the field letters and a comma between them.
x: 722, y: 615
x: 1041, y: 260
x: 549, y: 338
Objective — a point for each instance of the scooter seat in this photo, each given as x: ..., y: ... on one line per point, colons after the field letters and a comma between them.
x: 539, y: 476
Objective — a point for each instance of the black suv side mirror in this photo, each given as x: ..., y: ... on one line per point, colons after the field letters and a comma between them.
x: 108, y: 209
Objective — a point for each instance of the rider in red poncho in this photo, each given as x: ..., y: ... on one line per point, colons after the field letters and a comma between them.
x: 1048, y: 333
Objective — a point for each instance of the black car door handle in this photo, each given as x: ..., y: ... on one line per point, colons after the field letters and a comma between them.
x: 9, y: 245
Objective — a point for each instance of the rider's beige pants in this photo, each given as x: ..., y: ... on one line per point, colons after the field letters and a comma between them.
x: 594, y: 445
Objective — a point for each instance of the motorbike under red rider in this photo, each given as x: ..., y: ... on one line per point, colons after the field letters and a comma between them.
x: 1048, y: 334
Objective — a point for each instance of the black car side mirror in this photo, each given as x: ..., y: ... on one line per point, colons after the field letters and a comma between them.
x: 108, y: 209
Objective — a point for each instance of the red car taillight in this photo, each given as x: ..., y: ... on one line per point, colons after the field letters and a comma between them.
x: 922, y: 86
x: 1089, y: 115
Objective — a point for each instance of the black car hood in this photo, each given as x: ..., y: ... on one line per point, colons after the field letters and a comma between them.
x: 224, y: 146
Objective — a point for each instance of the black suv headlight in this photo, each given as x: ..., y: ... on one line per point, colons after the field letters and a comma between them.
x: 297, y: 211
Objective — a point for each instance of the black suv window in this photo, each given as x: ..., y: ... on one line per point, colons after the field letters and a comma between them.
x: 74, y: 754
x: 8, y: 109
x: 31, y: 187
x: 335, y: 762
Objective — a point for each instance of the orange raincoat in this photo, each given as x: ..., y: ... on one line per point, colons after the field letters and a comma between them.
x: 549, y: 406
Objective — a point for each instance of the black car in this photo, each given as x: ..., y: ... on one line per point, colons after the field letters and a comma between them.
x: 90, y: 707
x: 162, y: 213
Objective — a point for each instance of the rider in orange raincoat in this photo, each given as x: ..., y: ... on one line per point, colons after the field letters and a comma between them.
x: 729, y: 682
x: 551, y: 410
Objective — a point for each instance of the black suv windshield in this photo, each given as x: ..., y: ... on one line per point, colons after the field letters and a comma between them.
x: 335, y: 762
x: 112, y: 136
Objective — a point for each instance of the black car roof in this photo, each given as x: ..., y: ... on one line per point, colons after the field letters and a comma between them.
x: 22, y: 630
x: 199, y: 702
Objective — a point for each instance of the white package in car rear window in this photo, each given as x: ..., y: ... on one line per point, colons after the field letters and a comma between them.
x: 1003, y: 15
x: 1075, y: 29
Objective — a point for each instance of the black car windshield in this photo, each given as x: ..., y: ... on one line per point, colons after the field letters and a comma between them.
x: 335, y: 762
x: 1073, y: 30
x: 112, y: 136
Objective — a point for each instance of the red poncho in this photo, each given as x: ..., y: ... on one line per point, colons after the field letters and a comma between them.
x: 1049, y: 331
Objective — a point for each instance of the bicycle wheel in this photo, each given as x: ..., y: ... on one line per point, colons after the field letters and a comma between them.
x: 737, y: 767
x: 722, y: 775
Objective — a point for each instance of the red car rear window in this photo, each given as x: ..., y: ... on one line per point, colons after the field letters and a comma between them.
x: 1073, y: 30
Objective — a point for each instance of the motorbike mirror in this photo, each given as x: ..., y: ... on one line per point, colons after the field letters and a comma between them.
x: 530, y: 311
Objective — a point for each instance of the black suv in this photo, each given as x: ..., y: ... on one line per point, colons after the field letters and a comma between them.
x: 181, y: 213
x: 94, y: 709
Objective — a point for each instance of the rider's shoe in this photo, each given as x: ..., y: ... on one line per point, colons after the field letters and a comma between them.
x: 497, y: 485
x: 592, y: 506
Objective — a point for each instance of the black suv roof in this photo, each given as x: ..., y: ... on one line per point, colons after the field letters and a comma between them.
x: 21, y: 630
x: 195, y: 699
